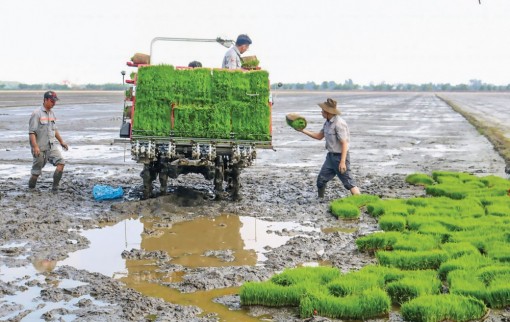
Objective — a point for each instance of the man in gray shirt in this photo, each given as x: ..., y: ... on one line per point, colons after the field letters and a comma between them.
x: 232, y: 59
x: 43, y: 134
x: 337, y: 162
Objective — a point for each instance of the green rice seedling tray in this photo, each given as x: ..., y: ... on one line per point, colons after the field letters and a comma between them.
x: 436, y: 308
x: 202, y: 103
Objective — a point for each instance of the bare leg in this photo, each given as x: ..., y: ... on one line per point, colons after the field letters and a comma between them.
x: 355, y: 191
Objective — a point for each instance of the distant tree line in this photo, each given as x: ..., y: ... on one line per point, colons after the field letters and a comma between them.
x: 60, y: 87
x: 349, y: 85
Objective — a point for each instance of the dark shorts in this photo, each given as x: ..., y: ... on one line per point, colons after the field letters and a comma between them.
x: 53, y: 156
x: 330, y: 169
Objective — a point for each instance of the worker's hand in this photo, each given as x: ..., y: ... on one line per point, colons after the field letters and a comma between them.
x: 36, y: 151
x: 64, y: 146
x: 342, y: 167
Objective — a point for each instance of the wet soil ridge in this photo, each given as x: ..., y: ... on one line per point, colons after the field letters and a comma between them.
x: 442, y: 257
x: 491, y: 131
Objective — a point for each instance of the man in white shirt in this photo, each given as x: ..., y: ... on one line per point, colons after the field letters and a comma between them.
x: 232, y: 59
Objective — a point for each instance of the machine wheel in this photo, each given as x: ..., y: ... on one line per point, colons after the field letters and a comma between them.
x: 147, y: 182
x: 235, y: 184
x: 148, y: 175
x: 218, y: 177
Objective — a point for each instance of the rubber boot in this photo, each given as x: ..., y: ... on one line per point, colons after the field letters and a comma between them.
x: 163, y: 181
x: 321, y: 192
x: 32, y: 182
x: 57, y: 175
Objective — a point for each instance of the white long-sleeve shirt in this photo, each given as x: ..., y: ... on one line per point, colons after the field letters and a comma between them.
x: 232, y: 59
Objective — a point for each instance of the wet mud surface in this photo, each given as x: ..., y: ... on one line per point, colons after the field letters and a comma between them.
x: 182, y: 257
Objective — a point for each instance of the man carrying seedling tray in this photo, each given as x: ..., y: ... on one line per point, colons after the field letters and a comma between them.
x: 337, y: 162
x: 232, y: 59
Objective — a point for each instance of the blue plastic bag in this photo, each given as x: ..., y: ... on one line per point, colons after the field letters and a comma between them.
x: 101, y: 192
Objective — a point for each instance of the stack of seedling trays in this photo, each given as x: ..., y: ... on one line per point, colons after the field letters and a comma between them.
x: 202, y: 103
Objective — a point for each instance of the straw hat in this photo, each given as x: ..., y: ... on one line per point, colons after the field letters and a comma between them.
x: 329, y: 106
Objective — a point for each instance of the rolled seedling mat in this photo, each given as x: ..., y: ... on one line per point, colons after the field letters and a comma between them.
x: 296, y: 121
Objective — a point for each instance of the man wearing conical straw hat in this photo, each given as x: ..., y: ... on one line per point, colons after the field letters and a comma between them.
x: 337, y: 162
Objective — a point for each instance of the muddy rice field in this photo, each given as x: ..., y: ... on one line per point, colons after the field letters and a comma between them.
x: 183, y: 256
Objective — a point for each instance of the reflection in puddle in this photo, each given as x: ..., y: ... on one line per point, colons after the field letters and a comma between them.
x: 226, y: 240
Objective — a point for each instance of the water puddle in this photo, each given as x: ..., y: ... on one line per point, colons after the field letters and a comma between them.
x: 226, y: 240
x: 27, y: 279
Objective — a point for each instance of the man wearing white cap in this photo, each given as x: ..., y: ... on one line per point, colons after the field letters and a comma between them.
x: 232, y: 59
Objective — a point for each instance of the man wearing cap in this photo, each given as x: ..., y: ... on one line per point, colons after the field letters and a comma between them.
x: 232, y: 59
x: 43, y: 134
x: 337, y: 162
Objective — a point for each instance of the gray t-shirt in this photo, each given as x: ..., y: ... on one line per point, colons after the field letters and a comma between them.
x: 335, y: 130
x: 232, y: 59
x: 42, y: 124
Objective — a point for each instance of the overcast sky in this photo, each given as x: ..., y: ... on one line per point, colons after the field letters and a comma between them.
x: 367, y: 41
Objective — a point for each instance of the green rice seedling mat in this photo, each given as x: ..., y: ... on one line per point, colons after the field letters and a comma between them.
x: 445, y: 256
x: 202, y: 103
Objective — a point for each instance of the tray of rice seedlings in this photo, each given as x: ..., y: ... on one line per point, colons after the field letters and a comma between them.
x: 420, y: 179
x: 259, y: 85
x: 465, y: 282
x: 190, y: 120
x: 451, y: 307
x: 388, y: 274
x: 392, y: 222
x: 494, y: 291
x: 487, y: 274
x: 412, y: 260
x: 455, y: 250
x: 483, y: 236
x: 321, y: 275
x: 271, y: 294
x: 348, y: 208
x: 355, y: 283
x: 499, y: 250
x: 192, y: 86
x: 251, y: 121
x: 377, y: 241
x: 250, y: 62
x: 153, y: 119
x: 445, y: 175
x: 498, y: 292
x: 466, y: 262
x: 288, y: 287
x: 296, y: 121
x: 386, y: 206
x: 497, y: 279
x: 414, y: 284
x: 413, y: 241
x: 495, y: 181
x: 498, y: 210
x: 370, y: 303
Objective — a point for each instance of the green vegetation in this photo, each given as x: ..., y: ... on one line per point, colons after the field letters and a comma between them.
x: 348, y: 85
x: 431, y: 308
x: 413, y: 285
x: 454, y: 240
x: 202, y: 103
x: 419, y: 179
x: 298, y: 124
x: 348, y: 208
x: 250, y: 62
